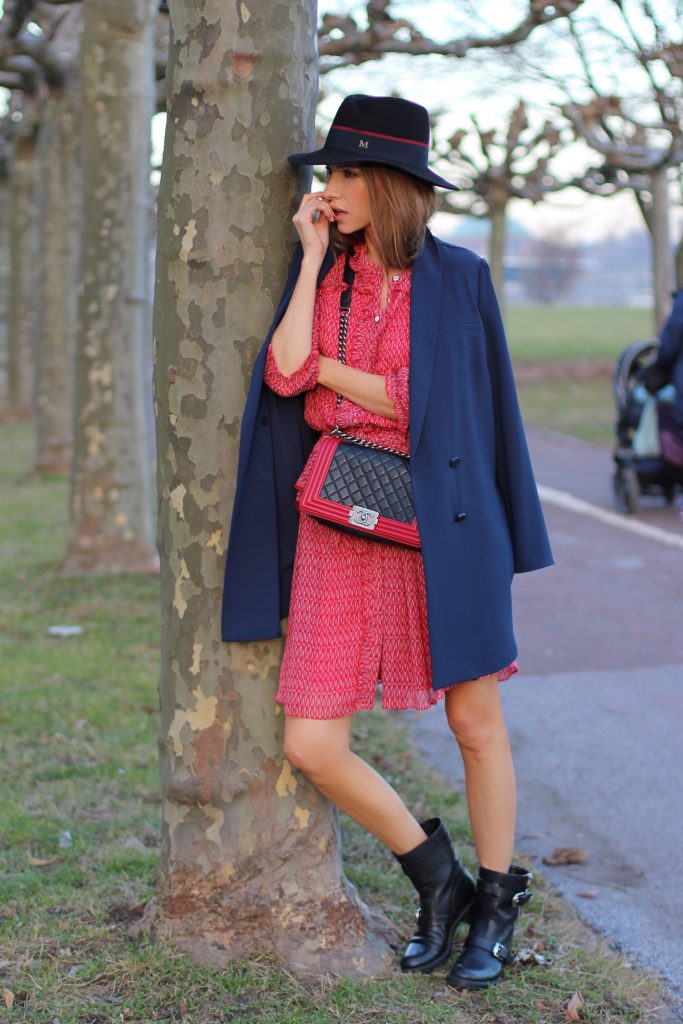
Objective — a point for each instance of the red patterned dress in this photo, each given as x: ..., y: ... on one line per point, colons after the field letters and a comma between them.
x: 358, y: 610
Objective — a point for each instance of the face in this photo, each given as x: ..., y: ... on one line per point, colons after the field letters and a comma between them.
x: 348, y: 196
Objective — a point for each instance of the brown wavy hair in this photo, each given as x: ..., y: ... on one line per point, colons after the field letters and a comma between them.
x: 400, y: 209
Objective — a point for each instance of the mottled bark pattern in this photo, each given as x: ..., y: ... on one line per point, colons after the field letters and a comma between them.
x: 59, y: 155
x: 250, y: 856
x: 23, y: 283
x: 662, y: 259
x: 111, y: 521
x: 498, y: 213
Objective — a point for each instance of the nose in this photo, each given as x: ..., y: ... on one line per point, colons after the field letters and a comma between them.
x: 332, y: 185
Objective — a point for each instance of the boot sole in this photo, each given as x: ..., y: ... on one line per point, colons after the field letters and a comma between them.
x: 431, y: 965
x: 471, y: 984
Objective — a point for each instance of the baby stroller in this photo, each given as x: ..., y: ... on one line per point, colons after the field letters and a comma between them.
x: 641, y: 466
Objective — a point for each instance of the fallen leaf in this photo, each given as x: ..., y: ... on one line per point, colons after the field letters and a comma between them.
x: 566, y: 855
x: 588, y: 894
x: 573, y: 1007
x: 41, y: 862
x: 8, y: 996
x: 530, y: 956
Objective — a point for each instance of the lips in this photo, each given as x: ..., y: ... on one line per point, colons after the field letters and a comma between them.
x: 337, y: 211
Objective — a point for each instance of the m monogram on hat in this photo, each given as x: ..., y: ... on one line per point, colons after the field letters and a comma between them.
x: 378, y: 130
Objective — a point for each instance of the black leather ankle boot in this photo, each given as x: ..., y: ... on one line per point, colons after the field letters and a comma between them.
x: 446, y: 890
x: 488, y: 945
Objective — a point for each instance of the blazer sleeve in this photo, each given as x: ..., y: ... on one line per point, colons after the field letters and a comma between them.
x: 514, y: 473
x: 671, y: 341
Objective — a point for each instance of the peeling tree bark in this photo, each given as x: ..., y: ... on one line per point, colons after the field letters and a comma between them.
x: 662, y: 257
x: 23, y: 277
x: 60, y: 219
x: 250, y: 854
x: 111, y: 521
x: 498, y: 215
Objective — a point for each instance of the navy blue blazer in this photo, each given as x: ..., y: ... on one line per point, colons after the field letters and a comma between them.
x: 670, y: 354
x: 468, y: 455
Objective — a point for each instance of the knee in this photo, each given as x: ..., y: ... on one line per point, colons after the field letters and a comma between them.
x: 310, y: 757
x: 474, y: 731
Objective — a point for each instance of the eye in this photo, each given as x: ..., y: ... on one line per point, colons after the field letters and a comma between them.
x: 350, y: 173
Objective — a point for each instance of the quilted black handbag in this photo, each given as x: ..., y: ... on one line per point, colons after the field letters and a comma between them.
x: 357, y: 485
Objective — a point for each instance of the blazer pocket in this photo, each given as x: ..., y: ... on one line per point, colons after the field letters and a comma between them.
x: 464, y: 325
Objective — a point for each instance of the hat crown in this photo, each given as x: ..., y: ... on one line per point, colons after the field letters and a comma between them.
x: 385, y: 115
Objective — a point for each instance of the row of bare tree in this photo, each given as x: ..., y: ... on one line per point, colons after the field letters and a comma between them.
x: 250, y: 852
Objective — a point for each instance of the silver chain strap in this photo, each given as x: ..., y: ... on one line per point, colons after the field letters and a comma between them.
x: 344, y: 314
x: 338, y: 432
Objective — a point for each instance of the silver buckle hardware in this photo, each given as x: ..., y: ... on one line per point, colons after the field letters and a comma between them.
x: 500, y: 951
x: 521, y: 897
x: 365, y: 517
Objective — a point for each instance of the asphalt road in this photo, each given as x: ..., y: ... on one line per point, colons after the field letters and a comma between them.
x: 596, y: 714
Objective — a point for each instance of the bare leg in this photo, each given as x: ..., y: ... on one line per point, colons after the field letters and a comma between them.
x: 476, y: 718
x: 320, y: 749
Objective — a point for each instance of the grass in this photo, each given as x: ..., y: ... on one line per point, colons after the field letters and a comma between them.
x: 564, y: 359
x: 79, y: 819
x: 564, y: 332
x: 583, y: 408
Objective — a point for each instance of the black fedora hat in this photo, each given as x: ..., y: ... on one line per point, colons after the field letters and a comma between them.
x: 378, y: 130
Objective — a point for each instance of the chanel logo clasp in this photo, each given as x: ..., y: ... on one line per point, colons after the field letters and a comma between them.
x: 365, y: 517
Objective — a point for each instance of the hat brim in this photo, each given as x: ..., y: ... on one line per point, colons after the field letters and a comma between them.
x: 328, y: 155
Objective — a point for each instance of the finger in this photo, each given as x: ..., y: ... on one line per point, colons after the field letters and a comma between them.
x: 312, y: 211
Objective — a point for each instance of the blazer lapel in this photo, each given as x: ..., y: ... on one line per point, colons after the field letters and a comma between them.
x: 425, y: 306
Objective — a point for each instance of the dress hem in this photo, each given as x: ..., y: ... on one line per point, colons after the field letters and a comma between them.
x: 435, y: 696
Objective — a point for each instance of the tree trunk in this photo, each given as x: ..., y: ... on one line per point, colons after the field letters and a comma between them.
x: 678, y: 263
x: 498, y: 215
x: 111, y: 514
x: 60, y: 220
x: 250, y: 853
x: 23, y: 277
x: 662, y: 261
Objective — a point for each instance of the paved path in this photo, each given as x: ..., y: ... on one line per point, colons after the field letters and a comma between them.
x: 596, y: 715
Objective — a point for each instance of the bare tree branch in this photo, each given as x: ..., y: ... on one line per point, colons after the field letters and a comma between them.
x: 632, y: 154
x: 342, y: 38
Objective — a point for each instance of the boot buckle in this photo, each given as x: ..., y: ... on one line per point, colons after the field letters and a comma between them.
x: 500, y: 951
x: 521, y: 898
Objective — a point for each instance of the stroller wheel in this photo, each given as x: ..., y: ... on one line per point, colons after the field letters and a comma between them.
x: 626, y: 489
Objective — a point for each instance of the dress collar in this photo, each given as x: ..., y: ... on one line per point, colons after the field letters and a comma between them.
x: 369, y: 275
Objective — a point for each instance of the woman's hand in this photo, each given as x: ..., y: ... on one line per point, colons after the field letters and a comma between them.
x: 312, y: 222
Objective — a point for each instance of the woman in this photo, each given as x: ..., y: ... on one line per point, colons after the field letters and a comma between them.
x: 428, y: 372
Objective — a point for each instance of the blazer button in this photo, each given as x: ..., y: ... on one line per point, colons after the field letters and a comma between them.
x: 455, y: 461
x: 264, y: 421
x: 460, y: 516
